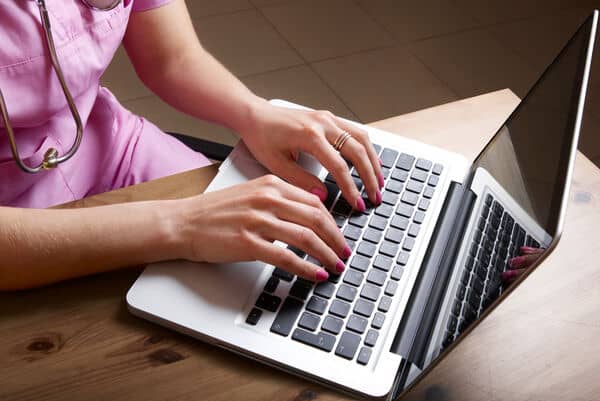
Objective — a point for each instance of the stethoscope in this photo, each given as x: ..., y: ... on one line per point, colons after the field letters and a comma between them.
x: 51, y: 157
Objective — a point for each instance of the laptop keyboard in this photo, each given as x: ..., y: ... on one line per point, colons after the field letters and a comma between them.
x: 497, y: 239
x: 345, y: 313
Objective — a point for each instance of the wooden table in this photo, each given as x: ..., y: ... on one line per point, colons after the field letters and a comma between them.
x: 76, y: 340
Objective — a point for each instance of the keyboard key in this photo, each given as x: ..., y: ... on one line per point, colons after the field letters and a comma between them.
x: 394, y: 235
x: 378, y: 320
x: 371, y: 337
x: 384, y: 210
x: 358, y: 183
x: 497, y: 208
x: 321, y: 341
x: 402, y: 258
x: 408, y: 244
x: 413, y: 231
x: 388, y: 157
x: 358, y: 220
x: 363, y: 307
x: 394, y: 186
x: 423, y: 205
x: 346, y: 292
x: 325, y: 289
x: 437, y: 169
x: 428, y: 193
x: 414, y: 186
x: 410, y: 198
x: 309, y: 321
x: 353, y: 277
x: 390, y: 198
x: 372, y: 235
x: 254, y: 316
x: 359, y: 262
x: 433, y: 180
x: 352, y: 232
x: 339, y: 308
x: 370, y: 292
x: 286, y: 317
x: 339, y: 220
x: 390, y: 288
x: 300, y: 289
x: 348, y: 345
x: 399, y: 222
x: 399, y: 175
x: 405, y: 210
x: 405, y: 162
x: 383, y: 262
x: 334, y: 278
x: 271, y: 284
x: 424, y: 164
x: 385, y: 304
x: 283, y: 274
x: 332, y: 193
x: 376, y: 277
x: 378, y: 223
x: 366, y: 249
x: 385, y: 171
x: 268, y: 302
x: 342, y: 207
x: 364, y: 355
x: 377, y: 148
x: 397, y: 273
x: 452, y: 323
x: 357, y: 324
x: 388, y: 248
x: 419, y: 217
x: 316, y: 305
x: 419, y: 175
x: 332, y: 324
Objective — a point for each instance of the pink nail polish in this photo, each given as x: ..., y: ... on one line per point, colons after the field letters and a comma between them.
x: 509, y: 275
x: 322, y: 275
x: 322, y: 194
x: 360, y: 205
x: 516, y: 262
x: 381, y: 180
x: 339, y: 266
x: 527, y: 250
x: 380, y: 162
x: 346, y: 252
x: 378, y: 197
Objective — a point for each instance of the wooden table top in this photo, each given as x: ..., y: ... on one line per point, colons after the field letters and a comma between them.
x: 77, y: 341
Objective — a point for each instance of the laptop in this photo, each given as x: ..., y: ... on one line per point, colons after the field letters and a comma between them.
x: 426, y: 265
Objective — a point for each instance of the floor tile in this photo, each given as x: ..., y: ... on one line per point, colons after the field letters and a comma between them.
x: 589, y: 139
x: 262, y: 3
x: 245, y: 42
x: 490, y: 12
x: 121, y: 79
x: 201, y: 8
x: 475, y: 62
x: 539, y: 39
x: 169, y: 119
x: 383, y: 83
x: 321, y: 29
x: 413, y: 20
x: 299, y: 85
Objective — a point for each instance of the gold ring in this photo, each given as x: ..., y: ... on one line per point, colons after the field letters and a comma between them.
x: 341, y: 140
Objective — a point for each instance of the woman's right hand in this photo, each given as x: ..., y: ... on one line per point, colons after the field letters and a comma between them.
x: 240, y: 223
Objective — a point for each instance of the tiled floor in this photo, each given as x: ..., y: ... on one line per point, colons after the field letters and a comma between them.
x: 371, y: 59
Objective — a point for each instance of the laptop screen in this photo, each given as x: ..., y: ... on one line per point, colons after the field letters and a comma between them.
x: 529, y: 157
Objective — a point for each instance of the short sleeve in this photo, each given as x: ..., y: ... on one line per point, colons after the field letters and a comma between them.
x: 143, y: 5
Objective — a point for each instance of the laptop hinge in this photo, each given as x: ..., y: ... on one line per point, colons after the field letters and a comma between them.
x: 414, y: 333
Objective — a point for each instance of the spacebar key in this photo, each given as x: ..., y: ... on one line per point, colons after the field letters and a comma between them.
x: 322, y: 340
x: 285, y: 319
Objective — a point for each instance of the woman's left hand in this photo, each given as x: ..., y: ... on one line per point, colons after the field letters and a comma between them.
x: 276, y: 135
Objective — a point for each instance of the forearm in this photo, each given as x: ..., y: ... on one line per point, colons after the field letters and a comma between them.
x: 45, y: 246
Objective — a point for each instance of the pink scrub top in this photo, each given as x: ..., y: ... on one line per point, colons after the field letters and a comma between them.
x: 118, y: 147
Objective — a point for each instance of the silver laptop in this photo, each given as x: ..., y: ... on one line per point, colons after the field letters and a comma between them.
x: 426, y: 265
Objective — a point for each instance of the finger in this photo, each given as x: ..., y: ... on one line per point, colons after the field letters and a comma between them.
x: 336, y: 165
x: 523, y: 261
x: 289, y: 261
x: 362, y: 136
x: 527, y: 250
x: 511, y: 275
x: 355, y: 151
x: 290, y: 171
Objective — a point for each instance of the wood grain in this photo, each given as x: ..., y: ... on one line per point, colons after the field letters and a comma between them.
x: 77, y: 341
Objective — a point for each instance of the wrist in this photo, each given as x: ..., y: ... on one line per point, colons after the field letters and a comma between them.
x: 251, y: 111
x: 169, y: 242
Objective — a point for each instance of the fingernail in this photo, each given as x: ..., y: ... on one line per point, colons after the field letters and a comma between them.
x: 320, y: 192
x: 378, y: 197
x: 510, y: 274
x: 322, y: 275
x: 346, y: 252
x: 516, y: 262
x: 339, y: 267
x: 527, y: 250
x: 381, y: 180
x: 380, y: 162
x: 360, y: 205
